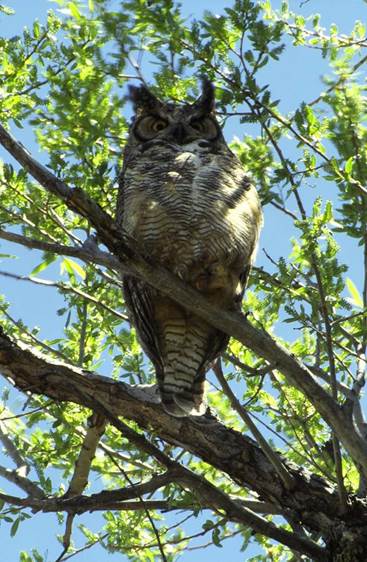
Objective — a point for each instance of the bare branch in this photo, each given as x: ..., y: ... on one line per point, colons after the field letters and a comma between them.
x: 83, y: 253
x: 12, y: 450
x: 15, y: 477
x: 64, y: 288
x: 19, y: 475
x: 270, y: 454
x: 95, y: 430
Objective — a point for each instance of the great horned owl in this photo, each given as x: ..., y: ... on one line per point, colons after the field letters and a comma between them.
x: 185, y: 200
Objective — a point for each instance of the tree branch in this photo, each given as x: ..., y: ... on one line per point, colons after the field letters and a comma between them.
x: 24, y: 483
x: 95, y: 430
x: 64, y: 288
x: 87, y: 253
x: 275, y: 459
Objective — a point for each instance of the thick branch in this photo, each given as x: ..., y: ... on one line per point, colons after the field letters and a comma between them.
x: 206, y: 491
x: 209, y: 494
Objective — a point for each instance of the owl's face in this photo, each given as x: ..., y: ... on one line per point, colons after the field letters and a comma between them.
x: 174, y: 124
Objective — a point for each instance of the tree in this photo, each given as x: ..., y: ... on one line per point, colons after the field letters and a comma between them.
x: 297, y: 485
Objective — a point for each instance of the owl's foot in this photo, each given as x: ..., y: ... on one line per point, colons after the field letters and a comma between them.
x: 173, y: 409
x: 180, y: 407
x: 190, y: 407
x: 214, y: 276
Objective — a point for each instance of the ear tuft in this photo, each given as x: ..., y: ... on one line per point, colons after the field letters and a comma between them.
x: 142, y: 99
x: 206, y: 102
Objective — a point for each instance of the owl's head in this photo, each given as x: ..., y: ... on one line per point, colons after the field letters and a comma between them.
x: 178, y: 124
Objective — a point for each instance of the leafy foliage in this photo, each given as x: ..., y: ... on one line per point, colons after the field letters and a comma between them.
x: 65, y: 79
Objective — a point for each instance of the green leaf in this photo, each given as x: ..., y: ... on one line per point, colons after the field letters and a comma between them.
x: 6, y: 10
x: 72, y: 267
x: 74, y: 10
x: 216, y: 538
x: 36, y: 29
x: 328, y: 215
x: 45, y: 263
x: 14, y: 527
x: 355, y: 294
x: 349, y: 165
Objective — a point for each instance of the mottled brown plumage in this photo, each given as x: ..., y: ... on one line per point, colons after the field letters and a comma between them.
x: 186, y: 201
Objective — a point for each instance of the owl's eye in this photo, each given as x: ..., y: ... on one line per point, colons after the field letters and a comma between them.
x: 148, y: 127
x: 206, y: 126
x: 159, y: 125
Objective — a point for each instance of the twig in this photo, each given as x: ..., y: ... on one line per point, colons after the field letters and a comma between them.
x: 326, y: 320
x: 252, y: 371
x: 338, y: 82
x: 18, y: 476
x: 15, y: 477
x: 144, y: 506
x: 273, y: 458
x: 63, y: 287
x: 67, y: 536
x: 83, y: 253
x: 28, y: 334
x: 12, y: 450
x: 86, y: 547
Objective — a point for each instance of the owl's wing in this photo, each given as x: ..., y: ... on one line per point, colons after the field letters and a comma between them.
x: 138, y: 295
x: 244, y: 276
x: 120, y: 194
x: 139, y: 301
x: 219, y: 341
x: 128, y: 157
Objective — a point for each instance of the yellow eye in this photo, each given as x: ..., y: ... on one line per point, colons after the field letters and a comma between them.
x: 159, y: 125
x: 149, y: 126
x: 205, y: 126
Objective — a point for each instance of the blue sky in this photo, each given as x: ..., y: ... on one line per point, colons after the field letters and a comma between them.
x: 296, y: 78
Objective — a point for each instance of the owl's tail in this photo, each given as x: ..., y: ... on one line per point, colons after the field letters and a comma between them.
x: 183, y: 385
x: 180, y: 402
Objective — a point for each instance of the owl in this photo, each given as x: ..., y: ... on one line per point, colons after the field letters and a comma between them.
x: 187, y: 203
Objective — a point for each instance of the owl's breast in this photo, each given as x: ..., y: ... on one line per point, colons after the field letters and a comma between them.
x: 185, y: 206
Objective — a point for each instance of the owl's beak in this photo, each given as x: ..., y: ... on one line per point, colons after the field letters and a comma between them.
x: 180, y: 134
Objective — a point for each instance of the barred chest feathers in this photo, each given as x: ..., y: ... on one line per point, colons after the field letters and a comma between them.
x: 190, y: 205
